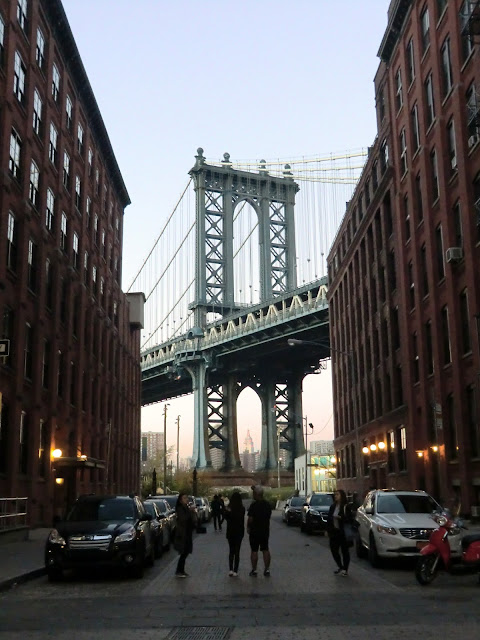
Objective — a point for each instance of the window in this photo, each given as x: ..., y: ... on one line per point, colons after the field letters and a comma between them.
x: 447, y: 348
x: 46, y: 363
x: 15, y: 153
x: 90, y: 161
x: 399, y: 91
x: 55, y: 83
x: 23, y: 444
x: 441, y: 5
x: 411, y: 280
x: 40, y: 50
x: 22, y: 14
x: 34, y: 182
x: 406, y: 212
x: 384, y: 156
x: 440, y: 256
x: 80, y: 139
x: 37, y: 113
x: 19, y: 73
x: 50, y: 210
x: 429, y: 346
x: 425, y: 25
x: 415, y: 358
x: 88, y: 206
x: 403, y: 151
x: 473, y: 120
x: 75, y: 251
x: 465, y: 322
x: 64, y: 232
x: 434, y: 172
x: 86, y: 268
x: 48, y: 284
x: 473, y: 426
x: 2, y: 41
x: 457, y: 224
x: 418, y: 196
x: 381, y: 104
x: 476, y: 206
x: 452, y: 427
x: 117, y: 224
x: 447, y: 80
x: 415, y: 128
x: 95, y: 229
x: 68, y: 112
x: 466, y: 36
x: 402, y: 449
x: 424, y: 267
x: 42, y: 449
x: 78, y: 193
x: 52, y: 147
x: 104, y: 245
x: 452, y: 147
x: 430, y: 101
x: 12, y: 242
x: 94, y: 280
x: 66, y: 170
x: 32, y: 266
x: 410, y: 62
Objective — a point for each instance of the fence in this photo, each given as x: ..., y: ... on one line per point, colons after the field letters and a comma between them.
x: 13, y: 513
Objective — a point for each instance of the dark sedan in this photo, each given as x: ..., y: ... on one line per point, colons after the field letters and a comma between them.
x: 292, y: 513
x: 112, y: 531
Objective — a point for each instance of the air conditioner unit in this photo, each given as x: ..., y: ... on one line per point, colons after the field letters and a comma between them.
x: 472, y: 141
x: 454, y: 254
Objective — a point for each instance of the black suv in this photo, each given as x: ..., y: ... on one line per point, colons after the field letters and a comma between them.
x: 101, y: 531
x: 315, y: 511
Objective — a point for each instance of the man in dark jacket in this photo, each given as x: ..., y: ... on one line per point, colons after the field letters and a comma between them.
x: 217, y: 512
x: 258, y: 528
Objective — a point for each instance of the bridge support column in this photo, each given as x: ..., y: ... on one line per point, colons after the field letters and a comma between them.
x: 268, y: 452
x: 201, y: 450
x: 232, y: 457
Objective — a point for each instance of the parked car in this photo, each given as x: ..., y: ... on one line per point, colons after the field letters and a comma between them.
x: 113, y: 531
x: 167, y: 513
x: 160, y: 527
x: 292, y: 512
x: 209, y: 509
x: 315, y: 511
x: 394, y: 524
x: 202, y: 509
x: 171, y: 499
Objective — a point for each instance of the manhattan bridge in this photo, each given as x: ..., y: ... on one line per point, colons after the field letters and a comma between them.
x: 237, y: 270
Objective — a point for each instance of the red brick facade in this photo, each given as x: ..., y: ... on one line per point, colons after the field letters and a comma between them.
x: 404, y: 287
x: 72, y: 380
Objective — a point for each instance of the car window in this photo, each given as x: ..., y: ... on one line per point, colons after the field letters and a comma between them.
x: 172, y: 501
x: 298, y: 501
x: 161, y: 506
x: 150, y: 508
x: 321, y: 500
x: 94, y: 510
x: 406, y: 504
x: 199, y: 502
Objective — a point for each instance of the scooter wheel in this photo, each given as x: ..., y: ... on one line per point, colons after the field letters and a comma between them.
x: 426, y: 569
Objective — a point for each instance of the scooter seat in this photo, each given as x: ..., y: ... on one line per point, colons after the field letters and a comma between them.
x: 467, y: 540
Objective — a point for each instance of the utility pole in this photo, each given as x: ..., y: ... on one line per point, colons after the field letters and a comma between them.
x: 178, y: 441
x: 165, y: 448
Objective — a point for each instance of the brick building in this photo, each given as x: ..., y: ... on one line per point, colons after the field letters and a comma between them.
x: 72, y: 379
x: 404, y: 267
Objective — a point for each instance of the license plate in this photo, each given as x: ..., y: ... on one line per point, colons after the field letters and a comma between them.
x: 422, y: 544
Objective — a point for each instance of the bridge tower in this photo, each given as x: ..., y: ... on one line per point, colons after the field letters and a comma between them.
x: 219, y: 191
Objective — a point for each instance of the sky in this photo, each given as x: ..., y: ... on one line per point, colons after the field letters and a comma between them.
x: 255, y: 78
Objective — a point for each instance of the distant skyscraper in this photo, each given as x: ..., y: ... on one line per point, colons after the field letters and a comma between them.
x: 248, y: 443
x: 322, y: 447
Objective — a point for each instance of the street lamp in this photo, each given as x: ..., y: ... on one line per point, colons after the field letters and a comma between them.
x: 292, y: 342
x: 165, y: 447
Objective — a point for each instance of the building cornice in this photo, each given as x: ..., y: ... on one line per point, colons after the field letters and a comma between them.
x: 397, y: 13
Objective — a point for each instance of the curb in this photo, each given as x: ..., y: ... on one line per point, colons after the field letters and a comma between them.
x: 10, y: 583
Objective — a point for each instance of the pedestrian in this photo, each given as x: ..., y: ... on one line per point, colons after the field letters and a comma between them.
x: 234, y: 514
x: 258, y: 529
x: 183, y: 541
x: 217, y: 512
x: 339, y: 515
x: 222, y: 509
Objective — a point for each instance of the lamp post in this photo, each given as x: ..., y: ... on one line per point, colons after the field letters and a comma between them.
x: 165, y: 447
x: 178, y: 441
x: 292, y: 342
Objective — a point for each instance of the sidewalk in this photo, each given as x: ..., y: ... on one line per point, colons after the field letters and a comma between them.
x: 23, y: 560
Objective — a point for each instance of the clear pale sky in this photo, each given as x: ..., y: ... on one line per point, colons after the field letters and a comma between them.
x: 256, y: 78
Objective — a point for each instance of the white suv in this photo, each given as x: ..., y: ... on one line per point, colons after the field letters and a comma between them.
x: 394, y: 524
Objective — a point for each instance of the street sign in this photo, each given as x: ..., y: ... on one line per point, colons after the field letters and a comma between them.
x: 4, y: 348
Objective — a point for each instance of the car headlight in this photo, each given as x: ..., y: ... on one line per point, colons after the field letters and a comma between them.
x: 55, y: 538
x: 391, y: 530
x: 127, y: 536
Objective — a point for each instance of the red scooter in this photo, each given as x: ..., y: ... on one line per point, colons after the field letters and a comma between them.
x: 437, y: 552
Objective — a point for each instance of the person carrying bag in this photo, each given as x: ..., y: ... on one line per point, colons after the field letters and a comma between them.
x: 340, y: 529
